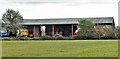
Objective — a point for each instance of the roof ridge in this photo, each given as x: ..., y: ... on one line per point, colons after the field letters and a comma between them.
x: 76, y: 18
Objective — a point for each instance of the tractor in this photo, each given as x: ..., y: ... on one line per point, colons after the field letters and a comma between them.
x: 22, y: 33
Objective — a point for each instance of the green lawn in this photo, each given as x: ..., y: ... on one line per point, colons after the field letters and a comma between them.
x: 60, y: 48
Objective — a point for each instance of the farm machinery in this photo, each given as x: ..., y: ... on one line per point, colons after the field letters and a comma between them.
x: 22, y: 33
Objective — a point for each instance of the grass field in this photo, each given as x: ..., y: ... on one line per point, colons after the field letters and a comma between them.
x: 60, y: 48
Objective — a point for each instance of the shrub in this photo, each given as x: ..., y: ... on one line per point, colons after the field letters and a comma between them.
x: 88, y: 35
x: 58, y: 38
x: 68, y: 38
x: 47, y: 38
x: 76, y: 37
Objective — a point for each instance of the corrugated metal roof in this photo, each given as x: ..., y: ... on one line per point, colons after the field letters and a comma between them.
x: 66, y: 21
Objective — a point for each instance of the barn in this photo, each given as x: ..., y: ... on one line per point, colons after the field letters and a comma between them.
x: 64, y: 26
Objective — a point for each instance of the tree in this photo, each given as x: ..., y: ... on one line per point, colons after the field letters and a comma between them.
x: 85, y: 28
x: 12, y: 20
x: 117, y: 32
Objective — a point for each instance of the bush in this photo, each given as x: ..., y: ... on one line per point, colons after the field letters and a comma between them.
x: 47, y: 38
x: 55, y: 38
x: 76, y: 37
x: 59, y: 38
x: 68, y: 38
x: 88, y: 35
x: 107, y: 37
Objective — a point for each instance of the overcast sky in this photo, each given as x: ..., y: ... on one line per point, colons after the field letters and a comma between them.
x: 37, y: 9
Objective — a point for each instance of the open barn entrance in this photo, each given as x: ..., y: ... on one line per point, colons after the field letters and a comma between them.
x: 34, y: 31
x: 65, y: 30
x: 75, y: 27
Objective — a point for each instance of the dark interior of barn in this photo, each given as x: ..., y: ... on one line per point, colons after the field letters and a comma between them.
x: 65, y: 30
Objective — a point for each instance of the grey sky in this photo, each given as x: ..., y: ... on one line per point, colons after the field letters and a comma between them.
x: 57, y: 1
x: 62, y: 8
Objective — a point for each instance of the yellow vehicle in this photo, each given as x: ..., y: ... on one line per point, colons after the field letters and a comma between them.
x: 23, y: 33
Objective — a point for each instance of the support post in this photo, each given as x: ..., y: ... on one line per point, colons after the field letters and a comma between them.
x: 72, y: 30
x: 34, y: 31
x: 53, y: 30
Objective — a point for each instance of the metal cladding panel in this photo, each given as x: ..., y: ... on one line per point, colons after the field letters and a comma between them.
x: 66, y: 21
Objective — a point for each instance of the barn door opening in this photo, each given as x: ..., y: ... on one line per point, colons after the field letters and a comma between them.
x: 36, y: 31
x: 75, y: 29
x: 43, y: 30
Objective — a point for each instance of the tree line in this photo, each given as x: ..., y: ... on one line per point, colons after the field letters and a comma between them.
x: 86, y: 29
